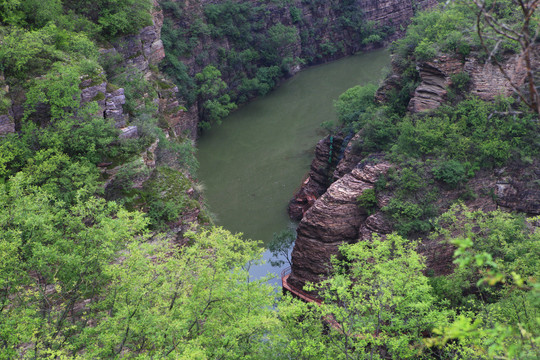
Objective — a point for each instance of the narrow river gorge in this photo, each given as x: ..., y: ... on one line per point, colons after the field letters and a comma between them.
x: 252, y: 163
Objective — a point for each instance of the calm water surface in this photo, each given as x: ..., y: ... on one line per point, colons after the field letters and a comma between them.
x: 252, y: 164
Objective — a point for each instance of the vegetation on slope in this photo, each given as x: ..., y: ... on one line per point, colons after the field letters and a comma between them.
x: 253, y: 51
x: 82, y: 277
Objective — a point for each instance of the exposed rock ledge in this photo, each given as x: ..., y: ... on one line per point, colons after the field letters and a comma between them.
x: 318, y: 180
x: 334, y: 219
x: 486, y: 79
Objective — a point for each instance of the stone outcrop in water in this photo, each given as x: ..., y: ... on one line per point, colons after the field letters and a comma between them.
x: 335, y: 218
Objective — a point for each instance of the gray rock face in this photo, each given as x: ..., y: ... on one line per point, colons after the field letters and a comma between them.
x: 145, y: 48
x: 113, y: 107
x: 129, y: 132
x: 7, y: 125
x: 91, y: 92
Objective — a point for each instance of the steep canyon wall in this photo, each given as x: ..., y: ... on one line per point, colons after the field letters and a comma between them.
x: 254, y: 44
x: 329, y: 209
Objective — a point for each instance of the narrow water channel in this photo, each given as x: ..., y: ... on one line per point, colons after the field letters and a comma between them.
x: 254, y: 161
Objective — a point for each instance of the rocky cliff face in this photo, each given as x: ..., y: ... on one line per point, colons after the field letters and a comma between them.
x: 336, y: 218
x: 319, y: 176
x: 486, y: 79
x: 142, y: 51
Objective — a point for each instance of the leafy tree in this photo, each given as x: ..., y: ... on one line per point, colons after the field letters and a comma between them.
x: 215, y: 104
x: 115, y: 17
x: 354, y: 102
x: 53, y: 261
x: 59, y: 89
x: 193, y: 302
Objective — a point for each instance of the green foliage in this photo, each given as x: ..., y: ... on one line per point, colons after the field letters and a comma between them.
x: 497, y: 255
x: 437, y: 30
x: 178, y: 153
x: 59, y: 89
x: 61, y: 255
x: 32, y: 52
x: 100, y: 18
x: 296, y: 14
x: 179, y: 72
x: 85, y: 141
x: 354, y: 103
x: 139, y: 92
x: 471, y: 132
x: 282, y: 36
x: 376, y: 301
x: 459, y: 86
x: 368, y: 201
x: 413, y: 197
x: 508, y: 238
x: 409, y: 217
x: 215, y: 103
x: 59, y: 175
x: 193, y: 302
x: 165, y: 197
x: 451, y: 172
x: 266, y: 78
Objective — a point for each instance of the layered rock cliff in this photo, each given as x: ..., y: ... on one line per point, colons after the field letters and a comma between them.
x: 486, y: 79
x: 336, y: 217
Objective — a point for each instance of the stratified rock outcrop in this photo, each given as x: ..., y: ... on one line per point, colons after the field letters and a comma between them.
x: 334, y: 219
x: 319, y: 177
x: 486, y: 79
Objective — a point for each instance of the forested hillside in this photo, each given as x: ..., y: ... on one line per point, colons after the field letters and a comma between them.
x: 222, y: 54
x: 106, y: 247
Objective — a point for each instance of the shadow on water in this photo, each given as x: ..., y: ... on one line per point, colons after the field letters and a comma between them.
x: 252, y: 164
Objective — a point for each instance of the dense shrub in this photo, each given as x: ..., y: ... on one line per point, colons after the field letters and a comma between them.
x: 368, y: 201
x: 355, y: 102
x: 451, y: 172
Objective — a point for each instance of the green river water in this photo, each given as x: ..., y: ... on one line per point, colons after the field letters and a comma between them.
x: 253, y: 162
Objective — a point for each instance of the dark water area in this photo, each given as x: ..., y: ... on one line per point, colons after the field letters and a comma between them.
x: 253, y: 162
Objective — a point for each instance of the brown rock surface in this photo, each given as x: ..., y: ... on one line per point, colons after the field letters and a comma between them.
x: 7, y: 125
x: 318, y: 180
x: 350, y: 158
x: 519, y: 196
x: 486, y: 79
x: 335, y: 218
